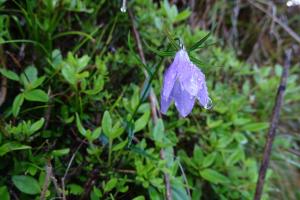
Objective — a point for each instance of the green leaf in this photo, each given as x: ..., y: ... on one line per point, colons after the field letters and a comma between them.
x: 160, y: 53
x: 69, y: 74
x: 197, y: 44
x: 139, y: 198
x: 154, y: 194
x: 9, y: 74
x: 106, y: 124
x: 60, y: 152
x: 26, y: 184
x: 31, y: 73
x: 116, y: 131
x: 111, y: 184
x: 36, y: 95
x: 172, y: 41
x: 75, y: 189
x: 96, y: 194
x: 12, y: 146
x: 142, y: 121
x: 198, y: 155
x: 96, y: 133
x: 209, y: 159
x: 37, y: 125
x: 182, y: 15
x: 37, y: 82
x: 82, y: 62
x: 158, y: 132
x: 4, y: 194
x: 18, y: 101
x: 213, y: 176
x: 119, y: 146
x: 235, y: 157
x: 197, y: 61
x: 256, y: 126
x: 79, y: 126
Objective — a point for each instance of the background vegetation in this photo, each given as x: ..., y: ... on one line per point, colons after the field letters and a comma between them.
x: 76, y: 121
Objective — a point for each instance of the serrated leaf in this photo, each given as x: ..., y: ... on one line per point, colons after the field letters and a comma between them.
x: 36, y: 95
x: 26, y: 184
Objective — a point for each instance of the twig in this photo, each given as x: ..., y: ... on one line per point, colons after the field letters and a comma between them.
x: 47, y: 180
x: 272, y: 129
x: 57, y: 188
x: 185, y: 180
x: 54, y: 180
x: 167, y: 179
x: 153, y: 101
x: 290, y: 31
x: 67, y: 171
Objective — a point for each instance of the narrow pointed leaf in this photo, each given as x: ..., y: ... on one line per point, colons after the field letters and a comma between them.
x: 160, y: 53
x: 172, y: 41
x: 197, y: 61
x: 197, y: 44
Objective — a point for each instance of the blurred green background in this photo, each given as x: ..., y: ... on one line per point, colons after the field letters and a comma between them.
x: 74, y: 123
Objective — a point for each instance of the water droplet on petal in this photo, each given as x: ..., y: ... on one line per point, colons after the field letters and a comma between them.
x: 123, y: 9
x: 209, y: 104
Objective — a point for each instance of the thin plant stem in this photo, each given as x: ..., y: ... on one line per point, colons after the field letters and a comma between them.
x: 272, y: 130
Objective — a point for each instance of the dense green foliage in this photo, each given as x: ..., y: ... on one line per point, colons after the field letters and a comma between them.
x: 74, y: 123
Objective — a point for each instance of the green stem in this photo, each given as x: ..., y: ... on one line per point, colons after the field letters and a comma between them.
x: 109, y: 151
x: 130, y: 136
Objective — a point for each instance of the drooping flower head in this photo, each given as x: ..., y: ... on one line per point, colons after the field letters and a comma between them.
x: 183, y: 82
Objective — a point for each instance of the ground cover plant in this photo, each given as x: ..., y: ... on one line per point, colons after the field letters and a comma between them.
x: 80, y: 99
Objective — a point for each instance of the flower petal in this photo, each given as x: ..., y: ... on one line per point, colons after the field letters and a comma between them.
x: 184, y: 102
x: 170, y: 78
x: 203, y: 97
x: 165, y: 104
x: 191, y: 79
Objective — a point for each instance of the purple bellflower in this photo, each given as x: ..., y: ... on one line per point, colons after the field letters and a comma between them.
x: 183, y: 82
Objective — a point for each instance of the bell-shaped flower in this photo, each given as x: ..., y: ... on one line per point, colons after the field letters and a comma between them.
x: 183, y: 82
